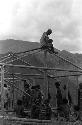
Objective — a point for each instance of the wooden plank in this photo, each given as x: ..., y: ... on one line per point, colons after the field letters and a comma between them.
x: 34, y: 67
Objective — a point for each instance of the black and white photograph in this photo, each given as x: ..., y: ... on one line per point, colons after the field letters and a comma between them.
x: 40, y: 62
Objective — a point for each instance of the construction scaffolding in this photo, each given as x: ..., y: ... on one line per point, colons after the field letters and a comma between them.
x: 12, y: 76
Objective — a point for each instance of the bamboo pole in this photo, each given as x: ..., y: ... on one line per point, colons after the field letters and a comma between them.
x: 67, y: 90
x: 24, y: 74
x: 2, y: 93
x: 43, y: 68
x: 77, y: 87
x: 52, y: 76
x: 45, y: 76
x: 39, y: 76
x: 68, y: 61
x: 13, y: 88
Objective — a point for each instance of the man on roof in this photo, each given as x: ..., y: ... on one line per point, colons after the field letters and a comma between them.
x: 45, y: 37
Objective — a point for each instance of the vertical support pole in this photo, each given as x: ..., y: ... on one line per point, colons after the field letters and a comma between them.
x: 77, y: 87
x: 48, y: 87
x: 80, y: 100
x: 13, y: 87
x: 2, y: 93
x: 13, y: 83
x: 77, y: 82
x: 56, y: 90
x: 67, y: 86
x: 45, y: 76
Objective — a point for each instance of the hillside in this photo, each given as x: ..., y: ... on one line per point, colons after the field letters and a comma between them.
x: 19, y: 45
x: 16, y: 45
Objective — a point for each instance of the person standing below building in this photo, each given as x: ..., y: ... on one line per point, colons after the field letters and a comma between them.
x: 65, y: 109
x: 58, y: 94
x: 58, y: 98
x: 64, y: 92
x: 19, y: 109
x: 66, y: 95
x: 36, y: 93
x: 6, y: 95
x: 36, y: 101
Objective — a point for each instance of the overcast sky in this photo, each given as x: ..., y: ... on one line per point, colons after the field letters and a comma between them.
x: 28, y: 19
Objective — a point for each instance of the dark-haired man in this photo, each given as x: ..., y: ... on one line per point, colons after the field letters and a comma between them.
x: 6, y: 96
x: 45, y: 41
x: 58, y: 97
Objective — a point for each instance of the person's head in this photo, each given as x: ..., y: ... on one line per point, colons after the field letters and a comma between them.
x: 49, y: 31
x: 57, y: 84
x: 64, y: 87
x: 33, y: 87
x: 26, y: 85
x: 37, y: 87
x: 19, y: 102
x: 76, y: 107
x: 46, y: 102
x: 5, y: 85
x: 65, y: 101
x: 80, y: 85
x: 37, y: 102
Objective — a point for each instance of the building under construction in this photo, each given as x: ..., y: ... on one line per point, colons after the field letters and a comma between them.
x: 15, y: 70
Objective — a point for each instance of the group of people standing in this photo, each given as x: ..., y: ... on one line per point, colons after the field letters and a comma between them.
x: 33, y: 100
x: 64, y: 100
x: 65, y: 106
x: 40, y: 108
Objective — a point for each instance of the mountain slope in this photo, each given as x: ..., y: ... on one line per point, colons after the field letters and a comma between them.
x: 16, y: 45
x: 11, y: 45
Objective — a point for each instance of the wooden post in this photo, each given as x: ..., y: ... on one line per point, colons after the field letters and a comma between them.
x: 77, y: 86
x: 67, y: 86
x: 13, y: 88
x: 77, y: 89
x: 2, y: 93
x: 45, y: 76
x: 80, y: 99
